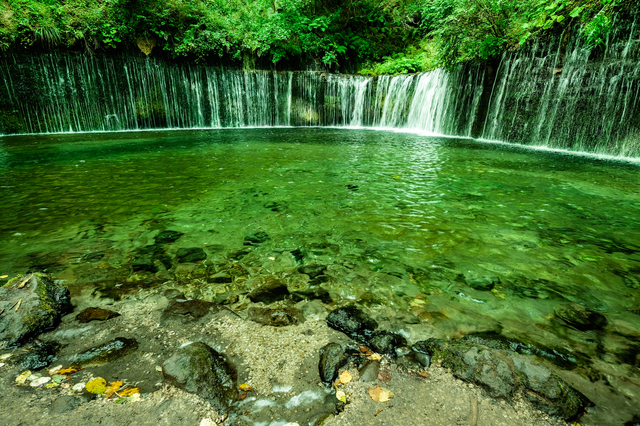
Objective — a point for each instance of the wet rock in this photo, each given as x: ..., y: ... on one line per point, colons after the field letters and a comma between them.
x: 238, y: 254
x: 482, y: 283
x: 279, y: 317
x: 192, y: 309
x: 32, y: 309
x: 172, y: 294
x: 106, y: 353
x: 581, y: 318
x: 369, y: 371
x: 64, y: 404
x: 386, y: 342
x: 228, y: 297
x: 256, y: 239
x: 96, y: 314
x: 270, y: 292
x: 316, y: 293
x: 502, y: 373
x: 190, y: 255
x: 199, y: 369
x: 42, y: 355
x: 558, y: 356
x: 148, y: 258
x: 312, y: 270
x: 221, y: 278
x: 353, y: 322
x: 167, y: 236
x: 422, y: 359
x: 332, y: 357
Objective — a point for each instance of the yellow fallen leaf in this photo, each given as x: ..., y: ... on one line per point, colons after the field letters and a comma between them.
x: 246, y: 388
x: 112, y: 388
x: 341, y: 396
x: 97, y: 385
x: 129, y: 392
x: 55, y: 370
x: 380, y: 394
x: 69, y: 370
x: 345, y: 377
x: 417, y: 303
x: 23, y: 377
x: 375, y: 357
x: 51, y: 385
x: 3, y: 277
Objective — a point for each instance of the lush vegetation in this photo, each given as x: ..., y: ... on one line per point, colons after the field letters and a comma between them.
x: 377, y: 36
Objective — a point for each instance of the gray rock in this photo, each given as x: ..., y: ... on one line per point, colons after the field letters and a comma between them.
x: 353, y: 322
x: 107, y: 352
x: 422, y: 359
x: 32, y: 309
x: 369, y: 371
x: 502, y: 373
x: 190, y: 254
x: 270, y: 292
x: 278, y: 317
x: 256, y: 239
x: 40, y: 356
x: 332, y: 357
x: 64, y: 404
x: 199, y: 369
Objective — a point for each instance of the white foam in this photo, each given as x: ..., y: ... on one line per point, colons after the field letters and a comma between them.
x: 305, y: 397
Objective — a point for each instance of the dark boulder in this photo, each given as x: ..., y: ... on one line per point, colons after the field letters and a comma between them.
x: 30, y: 305
x: 190, y: 254
x: 332, y: 357
x: 279, y: 317
x: 42, y: 355
x: 482, y: 283
x: 199, y: 369
x: 353, y: 322
x: 96, y: 314
x: 270, y: 292
x: 386, y: 342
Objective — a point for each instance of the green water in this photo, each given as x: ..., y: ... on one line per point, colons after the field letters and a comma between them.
x: 403, y: 223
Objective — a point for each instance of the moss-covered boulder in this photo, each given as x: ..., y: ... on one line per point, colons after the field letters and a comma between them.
x: 503, y: 373
x: 197, y: 368
x: 29, y: 306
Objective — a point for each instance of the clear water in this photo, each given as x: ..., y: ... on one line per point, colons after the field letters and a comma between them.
x: 402, y: 221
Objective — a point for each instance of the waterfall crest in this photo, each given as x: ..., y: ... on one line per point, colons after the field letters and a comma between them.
x: 557, y: 94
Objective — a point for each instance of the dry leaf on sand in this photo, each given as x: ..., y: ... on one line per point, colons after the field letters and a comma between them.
x: 345, y: 377
x: 380, y: 394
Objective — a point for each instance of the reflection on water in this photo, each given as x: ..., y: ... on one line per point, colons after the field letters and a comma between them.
x: 448, y: 236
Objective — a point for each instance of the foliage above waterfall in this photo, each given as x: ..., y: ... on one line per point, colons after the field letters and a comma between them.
x: 379, y: 36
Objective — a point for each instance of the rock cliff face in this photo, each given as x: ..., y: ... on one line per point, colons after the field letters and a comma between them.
x: 554, y: 92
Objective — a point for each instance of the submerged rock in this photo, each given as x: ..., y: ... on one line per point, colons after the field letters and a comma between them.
x: 256, y: 239
x: 332, y: 357
x: 197, y: 368
x: 316, y: 293
x: 190, y: 255
x: 279, y: 317
x: 167, y: 236
x: 30, y: 305
x: 147, y: 259
x: 502, y: 373
x: 353, y: 322
x: 312, y: 270
x: 96, y: 314
x: 186, y: 309
x: 581, y: 318
x: 107, y: 352
x: 369, y: 371
x: 270, y: 292
x: 482, y: 283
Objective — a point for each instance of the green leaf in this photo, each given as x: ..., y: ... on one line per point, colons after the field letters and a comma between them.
x: 576, y: 12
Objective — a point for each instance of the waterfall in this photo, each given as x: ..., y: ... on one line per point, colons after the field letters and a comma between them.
x: 557, y: 93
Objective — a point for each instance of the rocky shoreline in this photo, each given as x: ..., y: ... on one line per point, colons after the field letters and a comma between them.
x: 162, y: 358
